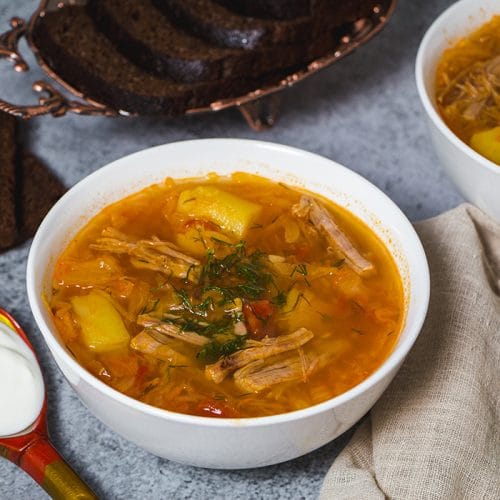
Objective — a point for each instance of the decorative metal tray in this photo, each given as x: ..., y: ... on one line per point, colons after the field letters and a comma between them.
x: 259, y: 107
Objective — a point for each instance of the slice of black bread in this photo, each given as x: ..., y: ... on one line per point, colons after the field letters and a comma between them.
x: 86, y: 59
x: 226, y: 28
x: 38, y: 190
x: 214, y: 22
x: 270, y: 9
x: 8, y: 219
x: 155, y: 43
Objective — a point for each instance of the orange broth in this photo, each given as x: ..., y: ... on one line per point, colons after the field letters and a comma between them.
x: 468, y: 89
x: 305, y: 283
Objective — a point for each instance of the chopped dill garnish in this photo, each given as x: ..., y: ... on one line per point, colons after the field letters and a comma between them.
x: 299, y: 268
x: 237, y: 275
x: 190, y: 268
x: 200, y: 309
x: 223, y: 325
x: 212, y: 351
x: 147, y: 310
x: 300, y: 297
x: 358, y: 305
x: 324, y: 316
x: 279, y: 299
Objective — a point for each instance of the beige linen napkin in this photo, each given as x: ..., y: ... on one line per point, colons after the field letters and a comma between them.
x: 435, y: 432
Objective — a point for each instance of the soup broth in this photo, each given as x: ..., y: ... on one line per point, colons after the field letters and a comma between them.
x: 227, y: 297
x: 468, y: 89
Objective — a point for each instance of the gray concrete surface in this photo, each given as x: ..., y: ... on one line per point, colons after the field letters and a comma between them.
x: 362, y: 112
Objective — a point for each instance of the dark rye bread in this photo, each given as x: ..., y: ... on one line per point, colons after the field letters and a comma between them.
x: 38, y: 190
x: 270, y: 9
x: 27, y: 188
x: 214, y: 22
x: 8, y: 219
x: 153, y: 42
x: 87, y: 60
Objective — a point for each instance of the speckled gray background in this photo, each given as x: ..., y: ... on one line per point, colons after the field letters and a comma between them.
x: 363, y: 112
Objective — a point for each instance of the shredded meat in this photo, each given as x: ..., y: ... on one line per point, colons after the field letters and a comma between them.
x: 257, y: 376
x: 326, y: 225
x: 159, y: 330
x: 257, y: 351
x: 145, y: 343
x: 153, y: 254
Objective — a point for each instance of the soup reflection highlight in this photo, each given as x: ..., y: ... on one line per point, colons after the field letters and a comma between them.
x: 227, y: 297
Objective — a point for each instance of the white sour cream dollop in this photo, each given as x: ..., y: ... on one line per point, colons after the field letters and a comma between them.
x: 21, y: 384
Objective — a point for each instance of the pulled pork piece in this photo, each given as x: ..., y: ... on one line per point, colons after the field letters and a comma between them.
x: 257, y: 376
x: 325, y: 224
x: 153, y: 254
x: 161, y: 331
x: 145, y: 343
x: 259, y: 350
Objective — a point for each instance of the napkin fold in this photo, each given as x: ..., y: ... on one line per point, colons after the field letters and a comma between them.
x: 435, y: 432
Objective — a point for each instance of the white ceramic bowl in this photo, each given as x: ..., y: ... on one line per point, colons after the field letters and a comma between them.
x: 476, y: 178
x: 228, y: 443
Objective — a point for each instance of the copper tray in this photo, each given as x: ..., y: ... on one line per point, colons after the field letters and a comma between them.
x: 259, y: 107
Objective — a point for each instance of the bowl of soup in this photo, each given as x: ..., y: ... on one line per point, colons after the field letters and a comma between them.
x: 458, y: 80
x: 227, y: 303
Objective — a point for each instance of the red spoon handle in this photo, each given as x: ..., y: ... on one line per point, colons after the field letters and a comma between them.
x: 44, y: 464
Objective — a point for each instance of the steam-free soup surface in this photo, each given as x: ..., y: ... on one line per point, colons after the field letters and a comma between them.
x: 468, y: 89
x: 227, y: 297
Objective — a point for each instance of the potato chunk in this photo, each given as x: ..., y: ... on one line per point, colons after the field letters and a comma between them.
x: 101, y: 324
x: 231, y: 213
x: 487, y: 143
x: 196, y: 241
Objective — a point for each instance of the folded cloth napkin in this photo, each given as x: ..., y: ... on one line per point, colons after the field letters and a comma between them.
x: 435, y: 432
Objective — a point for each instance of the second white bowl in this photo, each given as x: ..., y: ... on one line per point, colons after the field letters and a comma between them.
x: 476, y: 178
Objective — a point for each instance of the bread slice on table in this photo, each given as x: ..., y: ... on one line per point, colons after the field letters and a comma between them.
x: 152, y: 41
x: 213, y: 21
x: 71, y: 45
x: 8, y: 219
x: 28, y: 189
x: 39, y: 189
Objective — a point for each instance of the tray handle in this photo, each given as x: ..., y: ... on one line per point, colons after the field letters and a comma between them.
x: 9, y: 41
x: 262, y: 113
x: 51, y: 101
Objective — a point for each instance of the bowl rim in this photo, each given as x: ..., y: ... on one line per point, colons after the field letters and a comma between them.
x: 395, y: 358
x: 427, y: 102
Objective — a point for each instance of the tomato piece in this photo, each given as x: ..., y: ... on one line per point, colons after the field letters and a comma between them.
x: 216, y: 409
x: 259, y: 318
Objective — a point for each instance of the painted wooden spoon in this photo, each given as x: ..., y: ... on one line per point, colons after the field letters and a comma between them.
x: 34, y: 453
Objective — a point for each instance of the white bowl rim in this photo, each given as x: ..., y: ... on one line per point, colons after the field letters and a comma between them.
x: 424, y: 95
x: 395, y: 357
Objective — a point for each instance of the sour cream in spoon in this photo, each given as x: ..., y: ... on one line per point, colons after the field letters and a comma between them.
x: 21, y: 384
